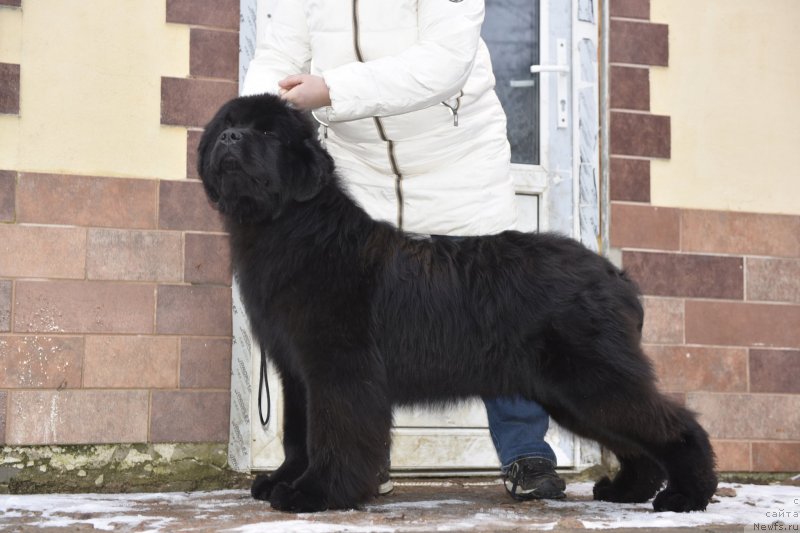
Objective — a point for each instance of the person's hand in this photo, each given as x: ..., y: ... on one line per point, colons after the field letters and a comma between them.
x: 305, y: 91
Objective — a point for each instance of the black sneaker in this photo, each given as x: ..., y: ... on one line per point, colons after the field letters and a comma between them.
x: 534, y: 479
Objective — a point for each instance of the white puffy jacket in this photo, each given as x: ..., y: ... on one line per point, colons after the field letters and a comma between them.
x: 401, y: 74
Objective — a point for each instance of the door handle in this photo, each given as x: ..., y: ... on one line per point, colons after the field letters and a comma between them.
x: 562, y: 92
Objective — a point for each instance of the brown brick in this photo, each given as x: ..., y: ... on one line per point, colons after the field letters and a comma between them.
x: 663, y: 320
x: 183, y: 205
x: 629, y: 179
x: 747, y: 416
x: 695, y: 368
x: 208, y: 259
x: 776, y: 457
x: 644, y: 226
x: 194, y: 310
x: 83, y: 307
x: 773, y: 280
x: 42, y: 252
x: 8, y: 186
x: 9, y: 89
x: 214, y: 13
x: 732, y: 455
x: 632, y: 9
x: 134, y: 255
x: 697, y: 276
x: 3, y: 403
x: 214, y: 54
x: 86, y: 201
x: 742, y: 324
x: 192, y: 142
x: 630, y: 88
x: 729, y: 232
x: 775, y: 371
x: 205, y: 363
x: 188, y: 416
x: 40, y: 362
x: 639, y: 43
x: 77, y: 417
x: 130, y: 362
x: 640, y: 134
x: 192, y: 102
x: 5, y: 305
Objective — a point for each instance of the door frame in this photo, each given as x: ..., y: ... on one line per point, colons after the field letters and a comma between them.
x: 562, y: 174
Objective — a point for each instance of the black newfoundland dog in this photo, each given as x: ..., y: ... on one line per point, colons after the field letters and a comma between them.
x: 358, y: 317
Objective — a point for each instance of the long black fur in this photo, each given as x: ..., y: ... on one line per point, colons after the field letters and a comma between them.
x: 359, y: 317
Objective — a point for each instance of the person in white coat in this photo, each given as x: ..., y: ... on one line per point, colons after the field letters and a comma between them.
x: 404, y: 93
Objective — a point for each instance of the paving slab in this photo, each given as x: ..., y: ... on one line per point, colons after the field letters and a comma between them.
x: 416, y: 505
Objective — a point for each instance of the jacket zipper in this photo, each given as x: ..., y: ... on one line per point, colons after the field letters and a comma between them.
x: 398, y: 181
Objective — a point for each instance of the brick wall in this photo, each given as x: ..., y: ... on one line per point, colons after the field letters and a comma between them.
x: 722, y: 289
x: 115, y: 293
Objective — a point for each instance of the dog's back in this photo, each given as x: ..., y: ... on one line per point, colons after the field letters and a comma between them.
x: 450, y: 315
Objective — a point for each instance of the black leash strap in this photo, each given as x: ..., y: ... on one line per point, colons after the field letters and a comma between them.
x: 263, y: 386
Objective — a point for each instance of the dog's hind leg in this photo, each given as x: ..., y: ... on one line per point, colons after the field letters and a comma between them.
x: 349, y: 423
x: 294, y: 441
x: 689, y: 460
x: 638, y: 480
x: 652, y: 437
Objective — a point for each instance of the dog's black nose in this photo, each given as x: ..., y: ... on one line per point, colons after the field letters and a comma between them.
x: 231, y: 136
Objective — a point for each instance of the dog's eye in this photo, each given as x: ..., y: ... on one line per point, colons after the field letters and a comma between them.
x: 269, y: 133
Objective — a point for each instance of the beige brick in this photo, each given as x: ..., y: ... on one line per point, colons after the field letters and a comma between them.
x: 134, y: 255
x: 183, y: 205
x: 740, y: 233
x: 3, y: 401
x: 663, y: 320
x: 86, y: 201
x: 5, y: 305
x: 742, y: 324
x: 776, y: 457
x: 205, y: 363
x: 184, y: 416
x: 8, y: 186
x: 208, y: 259
x: 40, y: 362
x: 695, y: 368
x: 732, y: 455
x: 83, y: 306
x: 687, y: 275
x: 774, y: 280
x: 775, y: 371
x: 194, y: 310
x: 645, y: 226
x: 42, y: 252
x: 131, y: 362
x: 76, y: 417
x: 747, y: 416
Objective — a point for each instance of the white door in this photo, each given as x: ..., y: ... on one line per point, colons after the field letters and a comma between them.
x: 553, y: 133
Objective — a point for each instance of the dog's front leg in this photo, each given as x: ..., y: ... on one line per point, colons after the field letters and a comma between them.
x: 349, y: 422
x: 294, y: 440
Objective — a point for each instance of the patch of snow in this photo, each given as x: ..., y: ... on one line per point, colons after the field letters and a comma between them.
x: 304, y: 526
x: 429, y: 504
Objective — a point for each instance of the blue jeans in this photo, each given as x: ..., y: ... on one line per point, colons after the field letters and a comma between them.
x: 517, y: 427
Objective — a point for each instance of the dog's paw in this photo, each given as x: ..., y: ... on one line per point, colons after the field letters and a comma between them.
x: 604, y: 490
x: 613, y: 491
x: 262, y: 486
x: 287, y: 498
x: 672, y: 500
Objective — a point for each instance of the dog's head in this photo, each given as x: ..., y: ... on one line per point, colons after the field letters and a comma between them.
x: 257, y: 155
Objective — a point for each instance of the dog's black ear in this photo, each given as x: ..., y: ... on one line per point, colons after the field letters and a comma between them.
x: 312, y: 169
